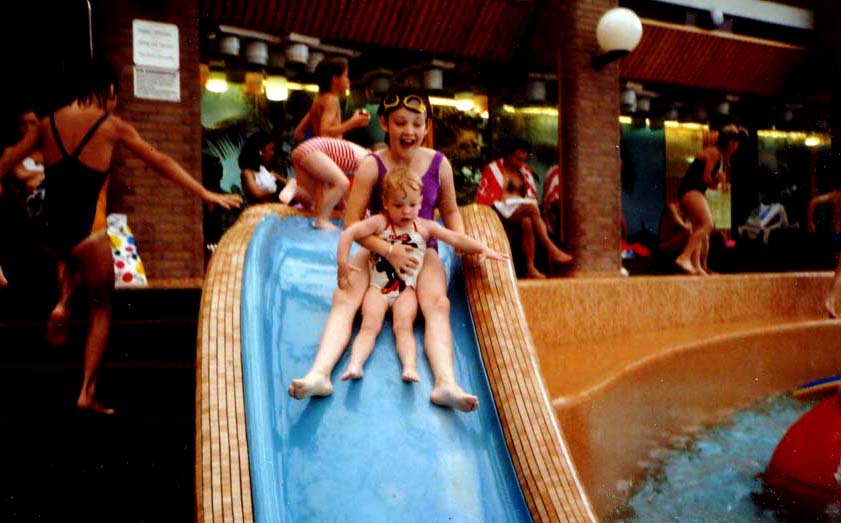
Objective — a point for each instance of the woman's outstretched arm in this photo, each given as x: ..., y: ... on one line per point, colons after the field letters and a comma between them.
x: 168, y: 167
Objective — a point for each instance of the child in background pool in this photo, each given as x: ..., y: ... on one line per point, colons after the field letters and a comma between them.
x: 397, y: 224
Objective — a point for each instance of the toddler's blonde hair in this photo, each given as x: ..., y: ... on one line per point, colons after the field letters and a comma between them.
x: 401, y: 179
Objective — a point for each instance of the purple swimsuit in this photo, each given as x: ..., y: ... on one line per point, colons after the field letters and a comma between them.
x: 431, y: 184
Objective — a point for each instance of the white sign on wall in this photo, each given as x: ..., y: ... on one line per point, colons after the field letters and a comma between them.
x: 154, y: 83
x: 156, y: 61
x: 155, y: 44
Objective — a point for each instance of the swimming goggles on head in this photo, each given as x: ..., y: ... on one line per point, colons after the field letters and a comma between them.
x: 411, y: 102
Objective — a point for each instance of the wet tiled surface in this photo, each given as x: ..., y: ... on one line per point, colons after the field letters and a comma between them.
x: 580, y: 309
x: 632, y: 362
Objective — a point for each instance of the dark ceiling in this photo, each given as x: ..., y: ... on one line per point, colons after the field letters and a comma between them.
x: 509, y: 35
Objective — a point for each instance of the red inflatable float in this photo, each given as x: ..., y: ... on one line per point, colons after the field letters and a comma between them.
x: 803, y: 479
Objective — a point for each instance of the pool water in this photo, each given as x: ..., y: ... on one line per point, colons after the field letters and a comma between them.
x: 711, y: 477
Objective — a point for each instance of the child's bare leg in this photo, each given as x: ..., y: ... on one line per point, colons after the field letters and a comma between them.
x: 334, y: 184
x: 336, y: 333
x: 3, y: 280
x: 438, y: 338
x: 403, y: 313
x: 97, y: 275
x: 374, y: 307
x: 834, y: 291
x: 58, y: 323
x: 301, y: 188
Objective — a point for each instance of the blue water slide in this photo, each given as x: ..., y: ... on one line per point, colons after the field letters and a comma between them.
x: 376, y: 449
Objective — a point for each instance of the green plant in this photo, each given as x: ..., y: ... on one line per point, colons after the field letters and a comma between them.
x: 459, y: 135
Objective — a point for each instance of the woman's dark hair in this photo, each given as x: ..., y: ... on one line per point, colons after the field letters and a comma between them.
x: 516, y: 144
x: 326, y: 70
x: 95, y: 81
x: 730, y: 133
x: 249, y: 155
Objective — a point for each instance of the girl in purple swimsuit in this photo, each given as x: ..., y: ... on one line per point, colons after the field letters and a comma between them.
x: 405, y: 116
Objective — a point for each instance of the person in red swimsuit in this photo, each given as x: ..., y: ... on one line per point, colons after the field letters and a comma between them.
x: 77, y: 142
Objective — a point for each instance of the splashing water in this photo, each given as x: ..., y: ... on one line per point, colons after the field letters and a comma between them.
x: 711, y: 478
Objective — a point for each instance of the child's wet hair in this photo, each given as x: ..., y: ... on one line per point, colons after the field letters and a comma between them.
x: 326, y: 70
x: 401, y: 179
x: 96, y: 82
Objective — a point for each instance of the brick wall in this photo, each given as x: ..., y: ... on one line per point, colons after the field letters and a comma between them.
x: 591, y: 143
x: 166, y: 219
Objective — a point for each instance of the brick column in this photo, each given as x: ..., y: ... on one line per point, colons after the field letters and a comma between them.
x: 591, y: 144
x: 166, y: 219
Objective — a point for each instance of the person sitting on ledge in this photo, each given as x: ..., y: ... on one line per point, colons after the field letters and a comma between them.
x: 508, y: 187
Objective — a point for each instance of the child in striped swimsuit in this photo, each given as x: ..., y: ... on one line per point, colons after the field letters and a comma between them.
x: 323, y: 168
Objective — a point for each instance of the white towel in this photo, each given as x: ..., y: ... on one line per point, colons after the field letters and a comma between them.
x: 507, y: 206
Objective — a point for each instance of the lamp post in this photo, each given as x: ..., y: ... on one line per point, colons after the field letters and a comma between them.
x: 618, y: 32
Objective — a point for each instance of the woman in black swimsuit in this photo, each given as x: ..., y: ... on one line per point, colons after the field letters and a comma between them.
x: 77, y: 142
x: 708, y: 171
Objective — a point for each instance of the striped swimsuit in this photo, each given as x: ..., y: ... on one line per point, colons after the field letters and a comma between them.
x: 346, y: 155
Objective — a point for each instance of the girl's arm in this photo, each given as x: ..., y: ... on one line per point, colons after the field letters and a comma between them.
x: 331, y: 119
x: 810, y: 210
x: 711, y: 179
x: 674, y: 211
x: 460, y: 241
x: 302, y: 128
x: 357, y: 231
x: 447, y: 204
x: 15, y: 154
x: 360, y: 192
x: 279, y: 177
x: 167, y: 166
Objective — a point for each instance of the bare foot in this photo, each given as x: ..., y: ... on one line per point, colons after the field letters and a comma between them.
x: 532, y: 272
x: 701, y: 271
x: 685, y: 266
x: 559, y: 256
x: 90, y: 404
x: 410, y: 374
x: 288, y: 193
x: 57, y: 326
x: 829, y: 305
x: 324, y: 225
x: 312, y: 384
x: 352, y: 372
x: 455, y: 397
